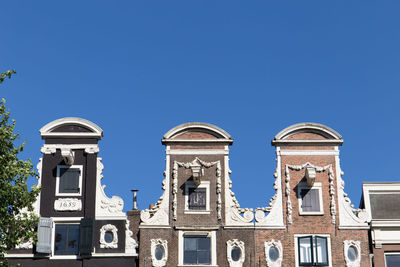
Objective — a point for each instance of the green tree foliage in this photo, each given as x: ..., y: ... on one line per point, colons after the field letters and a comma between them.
x: 6, y: 74
x: 17, y: 220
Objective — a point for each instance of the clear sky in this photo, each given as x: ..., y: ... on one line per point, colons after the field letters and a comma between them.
x: 140, y: 68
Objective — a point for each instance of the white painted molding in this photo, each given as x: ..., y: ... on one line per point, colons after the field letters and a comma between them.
x: 231, y: 244
x: 274, y: 218
x: 323, y: 130
x: 197, y: 151
x: 159, y: 214
x: 52, y: 148
x: 273, y: 244
x: 109, y: 228
x: 164, y: 245
x: 68, y: 155
x: 130, y: 242
x: 67, y: 204
x: 309, y: 152
x: 196, y: 125
x: 317, y: 169
x: 357, y: 246
x: 105, y: 206
x: 234, y: 215
x: 349, y: 217
x: 188, y: 165
x: 46, y: 131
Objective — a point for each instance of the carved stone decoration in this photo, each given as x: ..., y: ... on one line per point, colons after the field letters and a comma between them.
x: 68, y: 155
x: 272, y: 262
x: 130, y: 242
x: 105, y: 206
x: 189, y: 165
x: 158, y: 214
x: 352, y: 262
x: 234, y: 244
x: 272, y: 215
x: 349, y: 217
x: 67, y: 204
x: 108, y: 228
x: 66, y: 149
x: 234, y: 214
x: 317, y: 169
x: 310, y: 176
x: 159, y: 243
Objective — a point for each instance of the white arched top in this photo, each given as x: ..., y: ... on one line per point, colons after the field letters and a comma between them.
x: 308, y: 127
x: 95, y: 131
x: 209, y: 128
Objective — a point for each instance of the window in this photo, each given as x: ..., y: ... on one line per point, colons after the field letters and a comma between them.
x: 197, y: 248
x: 310, y: 199
x: 312, y: 250
x: 392, y: 259
x: 197, y: 199
x: 66, y: 239
x: 69, y: 180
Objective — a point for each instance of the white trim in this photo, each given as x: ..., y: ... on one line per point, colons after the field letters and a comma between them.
x: 211, y: 234
x: 230, y: 245
x: 356, y: 244
x: 277, y: 245
x: 112, y: 255
x: 196, y: 125
x: 108, y: 228
x: 66, y: 219
x: 203, y: 184
x: 316, y: 185
x: 28, y: 255
x: 197, y: 151
x: 46, y: 130
x: 80, y: 167
x: 296, y: 249
x: 309, y: 127
x: 309, y: 152
x: 52, y: 148
x: 154, y: 243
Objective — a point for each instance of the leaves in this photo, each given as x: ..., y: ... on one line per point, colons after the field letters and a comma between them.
x: 6, y: 74
x: 17, y: 219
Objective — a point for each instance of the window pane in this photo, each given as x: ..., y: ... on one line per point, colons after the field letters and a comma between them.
x: 236, y: 253
x: 69, y: 180
x: 203, y: 257
x: 159, y: 253
x: 197, y: 198
x: 352, y: 253
x: 108, y: 236
x: 273, y: 253
x: 310, y: 199
x: 73, y: 239
x: 190, y: 243
x: 189, y: 257
x: 392, y: 260
x: 305, y: 250
x: 60, y: 239
x: 321, y: 251
x: 203, y: 243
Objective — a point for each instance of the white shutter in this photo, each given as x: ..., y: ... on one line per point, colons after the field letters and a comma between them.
x: 44, y: 235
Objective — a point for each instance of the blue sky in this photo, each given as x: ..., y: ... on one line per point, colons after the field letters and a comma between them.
x: 139, y: 68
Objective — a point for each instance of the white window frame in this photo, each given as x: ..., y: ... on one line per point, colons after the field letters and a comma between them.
x: 296, y: 247
x: 318, y: 186
x: 390, y: 253
x: 203, y: 184
x: 58, y: 180
x: 63, y: 220
x: 211, y: 234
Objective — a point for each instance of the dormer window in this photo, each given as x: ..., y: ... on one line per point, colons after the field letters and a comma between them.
x: 310, y: 199
x: 197, y: 198
x: 69, y: 180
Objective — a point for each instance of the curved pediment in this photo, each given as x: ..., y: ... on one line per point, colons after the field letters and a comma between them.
x: 197, y: 132
x: 71, y: 127
x: 308, y: 133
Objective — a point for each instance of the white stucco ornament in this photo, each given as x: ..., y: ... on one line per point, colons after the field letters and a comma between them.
x: 114, y: 242
x: 235, y: 252
x: 159, y: 252
x: 273, y: 253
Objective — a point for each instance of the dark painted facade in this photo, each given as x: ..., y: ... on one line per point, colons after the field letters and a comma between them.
x: 79, y: 225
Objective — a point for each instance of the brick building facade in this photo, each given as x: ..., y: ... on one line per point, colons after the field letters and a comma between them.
x: 198, y: 221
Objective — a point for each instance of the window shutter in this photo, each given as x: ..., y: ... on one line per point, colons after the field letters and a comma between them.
x: 44, y: 235
x: 86, y: 236
x: 69, y: 180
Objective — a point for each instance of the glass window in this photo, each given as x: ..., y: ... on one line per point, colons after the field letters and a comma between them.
x: 159, y: 253
x: 197, y: 198
x: 197, y: 250
x: 69, y: 180
x: 352, y: 253
x: 236, y: 253
x: 310, y: 200
x: 392, y: 260
x: 273, y: 253
x: 66, y: 239
x: 313, y: 250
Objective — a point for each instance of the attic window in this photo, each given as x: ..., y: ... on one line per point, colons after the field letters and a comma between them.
x: 310, y: 199
x: 69, y: 180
